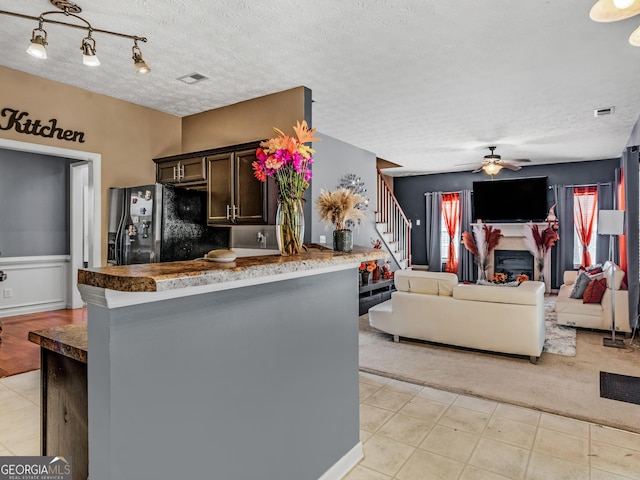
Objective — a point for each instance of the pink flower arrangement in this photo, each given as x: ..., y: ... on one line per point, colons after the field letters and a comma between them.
x: 288, y: 160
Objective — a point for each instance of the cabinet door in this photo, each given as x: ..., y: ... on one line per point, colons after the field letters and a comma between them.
x: 220, y: 188
x: 250, y: 193
x: 193, y: 169
x: 167, y: 172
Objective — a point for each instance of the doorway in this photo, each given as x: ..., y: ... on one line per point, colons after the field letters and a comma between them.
x: 85, y: 209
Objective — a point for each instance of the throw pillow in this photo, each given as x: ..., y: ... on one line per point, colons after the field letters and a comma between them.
x: 594, y: 291
x: 592, y: 270
x: 580, y: 286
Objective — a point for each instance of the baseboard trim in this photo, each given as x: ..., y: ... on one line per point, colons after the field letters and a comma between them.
x: 27, y: 309
x: 342, y: 467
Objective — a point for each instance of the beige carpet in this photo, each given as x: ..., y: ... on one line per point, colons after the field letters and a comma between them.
x: 568, y: 386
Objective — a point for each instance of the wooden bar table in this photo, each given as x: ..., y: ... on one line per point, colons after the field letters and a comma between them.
x: 63, y: 401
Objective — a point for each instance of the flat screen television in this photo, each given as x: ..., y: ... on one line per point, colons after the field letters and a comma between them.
x: 505, y: 201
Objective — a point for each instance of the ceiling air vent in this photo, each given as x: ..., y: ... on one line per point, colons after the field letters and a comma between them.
x: 192, y: 78
x: 601, y: 112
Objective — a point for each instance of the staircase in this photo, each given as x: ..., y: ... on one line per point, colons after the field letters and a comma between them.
x: 393, y: 226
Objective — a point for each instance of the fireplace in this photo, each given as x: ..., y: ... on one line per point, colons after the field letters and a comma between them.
x: 513, y: 263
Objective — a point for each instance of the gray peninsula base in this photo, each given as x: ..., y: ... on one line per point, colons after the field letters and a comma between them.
x: 253, y: 382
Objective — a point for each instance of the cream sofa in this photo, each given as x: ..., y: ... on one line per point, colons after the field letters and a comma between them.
x: 433, y: 306
x: 574, y: 313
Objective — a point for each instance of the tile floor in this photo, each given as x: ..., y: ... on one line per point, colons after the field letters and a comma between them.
x: 20, y: 414
x: 411, y: 432
x: 415, y: 433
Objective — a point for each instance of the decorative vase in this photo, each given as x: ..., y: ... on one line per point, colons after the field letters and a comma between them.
x: 342, y: 240
x: 290, y: 226
x: 365, y: 277
x: 482, y: 277
x: 376, y: 273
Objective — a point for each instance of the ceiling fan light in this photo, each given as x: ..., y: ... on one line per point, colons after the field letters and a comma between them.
x: 634, y: 38
x: 492, y: 168
x: 622, y: 4
x: 608, y: 11
x: 38, y: 43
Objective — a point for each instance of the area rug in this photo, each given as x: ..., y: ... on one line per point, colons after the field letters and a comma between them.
x: 559, y: 339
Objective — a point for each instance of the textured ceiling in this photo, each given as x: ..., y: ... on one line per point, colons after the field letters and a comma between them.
x: 426, y: 84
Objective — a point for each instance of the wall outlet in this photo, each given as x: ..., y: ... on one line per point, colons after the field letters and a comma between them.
x: 323, y: 239
x: 7, y: 293
x: 417, y: 221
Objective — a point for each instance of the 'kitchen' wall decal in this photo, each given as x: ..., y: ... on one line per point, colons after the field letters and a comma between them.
x: 21, y: 123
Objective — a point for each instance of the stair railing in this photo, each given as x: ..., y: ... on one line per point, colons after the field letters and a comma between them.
x: 397, y: 224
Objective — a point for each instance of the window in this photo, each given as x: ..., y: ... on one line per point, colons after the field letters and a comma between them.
x: 450, y: 220
x: 585, y: 214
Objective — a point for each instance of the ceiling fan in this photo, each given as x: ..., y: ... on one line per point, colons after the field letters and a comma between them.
x: 493, y: 163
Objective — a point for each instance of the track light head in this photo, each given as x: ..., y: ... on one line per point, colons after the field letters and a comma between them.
x: 88, y: 48
x: 139, y: 64
x: 38, y: 43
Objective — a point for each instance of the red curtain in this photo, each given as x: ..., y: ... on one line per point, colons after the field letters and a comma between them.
x: 451, y: 215
x: 584, y: 213
x: 622, y: 239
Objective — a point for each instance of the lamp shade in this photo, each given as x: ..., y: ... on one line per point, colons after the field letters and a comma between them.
x: 611, y: 222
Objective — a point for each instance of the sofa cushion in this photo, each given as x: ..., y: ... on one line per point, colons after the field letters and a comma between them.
x: 595, y: 290
x: 580, y: 286
x: 569, y: 277
x: 495, y: 294
x: 430, y: 283
x: 575, y: 306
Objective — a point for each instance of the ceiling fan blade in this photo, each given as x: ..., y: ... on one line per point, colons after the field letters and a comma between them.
x: 477, y: 170
x: 508, y: 166
x: 465, y: 164
x: 523, y: 160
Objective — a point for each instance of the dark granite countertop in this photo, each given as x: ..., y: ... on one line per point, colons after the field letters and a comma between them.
x: 67, y: 340
x: 154, y: 277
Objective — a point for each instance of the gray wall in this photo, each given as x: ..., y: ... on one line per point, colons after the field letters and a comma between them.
x: 34, y: 204
x: 410, y: 190
x: 334, y: 159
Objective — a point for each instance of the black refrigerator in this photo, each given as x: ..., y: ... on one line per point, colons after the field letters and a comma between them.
x: 160, y: 223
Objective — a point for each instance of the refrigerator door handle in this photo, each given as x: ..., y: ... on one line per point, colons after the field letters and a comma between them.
x: 119, y: 231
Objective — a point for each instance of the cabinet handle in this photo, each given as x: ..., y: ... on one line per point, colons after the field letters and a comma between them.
x: 236, y: 212
x: 228, y: 212
x: 175, y: 172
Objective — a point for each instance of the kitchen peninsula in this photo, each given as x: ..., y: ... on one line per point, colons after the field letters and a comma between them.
x: 237, y: 370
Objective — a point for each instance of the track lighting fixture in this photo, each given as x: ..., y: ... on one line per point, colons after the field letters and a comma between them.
x: 88, y: 47
x: 140, y: 65
x: 38, y: 42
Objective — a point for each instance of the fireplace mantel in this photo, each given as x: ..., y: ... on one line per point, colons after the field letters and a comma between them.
x: 513, y: 229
